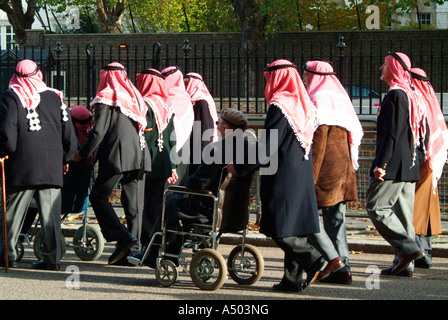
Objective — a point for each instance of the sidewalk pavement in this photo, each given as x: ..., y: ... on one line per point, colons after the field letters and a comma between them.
x: 361, y: 234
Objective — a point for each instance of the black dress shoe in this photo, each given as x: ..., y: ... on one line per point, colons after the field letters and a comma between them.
x: 122, y: 249
x: 313, y: 272
x: 283, y: 287
x: 389, y: 272
x: 421, y: 263
x: 43, y: 265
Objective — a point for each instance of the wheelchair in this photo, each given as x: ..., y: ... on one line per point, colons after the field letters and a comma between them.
x: 208, y: 268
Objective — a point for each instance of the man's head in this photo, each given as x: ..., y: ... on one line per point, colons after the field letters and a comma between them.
x: 231, y: 119
x: 396, y: 68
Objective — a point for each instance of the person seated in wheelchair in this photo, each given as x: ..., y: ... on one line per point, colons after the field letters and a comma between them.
x: 181, y: 211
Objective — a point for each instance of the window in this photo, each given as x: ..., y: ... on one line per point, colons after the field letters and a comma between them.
x: 54, y: 81
x: 7, y: 37
x: 425, y: 18
x: 10, y: 41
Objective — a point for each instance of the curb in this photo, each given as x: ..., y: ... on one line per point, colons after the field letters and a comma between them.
x: 258, y: 240
x: 356, y: 245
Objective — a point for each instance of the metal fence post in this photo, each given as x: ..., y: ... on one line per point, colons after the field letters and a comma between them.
x: 186, y: 48
x: 156, y: 56
x: 341, y: 46
x: 90, y: 66
x: 58, y: 51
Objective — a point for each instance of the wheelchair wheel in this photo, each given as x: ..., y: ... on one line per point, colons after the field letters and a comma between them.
x: 245, y: 268
x: 208, y: 269
x: 166, y: 274
x: 37, y: 245
x: 88, y: 246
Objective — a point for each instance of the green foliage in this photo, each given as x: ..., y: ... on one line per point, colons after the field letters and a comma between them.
x: 220, y: 16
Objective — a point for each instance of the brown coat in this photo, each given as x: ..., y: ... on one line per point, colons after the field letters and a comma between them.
x: 334, y: 175
x: 426, y: 205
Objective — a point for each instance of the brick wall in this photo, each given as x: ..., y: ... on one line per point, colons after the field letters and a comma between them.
x: 285, y: 40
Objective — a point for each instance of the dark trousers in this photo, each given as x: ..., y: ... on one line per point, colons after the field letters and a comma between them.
x: 299, y: 256
x: 154, y: 188
x: 132, y: 197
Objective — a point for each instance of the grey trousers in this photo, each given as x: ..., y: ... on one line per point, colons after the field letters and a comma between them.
x: 323, y: 244
x: 390, y: 206
x: 299, y: 256
x: 425, y: 244
x: 335, y: 227
x: 49, y: 207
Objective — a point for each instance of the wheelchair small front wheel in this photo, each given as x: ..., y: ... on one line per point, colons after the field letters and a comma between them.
x: 88, y: 245
x: 166, y: 273
x: 245, y: 266
x: 208, y: 270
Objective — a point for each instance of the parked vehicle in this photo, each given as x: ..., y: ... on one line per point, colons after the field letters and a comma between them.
x: 365, y: 100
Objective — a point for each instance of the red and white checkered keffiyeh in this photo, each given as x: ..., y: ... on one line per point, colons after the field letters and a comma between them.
x: 334, y: 107
x: 285, y: 89
x: 197, y: 90
x: 117, y: 90
x: 151, y: 84
x: 436, y: 152
x: 401, y: 71
x: 182, y: 107
x: 27, y: 83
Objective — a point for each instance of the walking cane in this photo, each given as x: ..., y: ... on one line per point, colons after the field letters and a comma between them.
x: 5, y: 236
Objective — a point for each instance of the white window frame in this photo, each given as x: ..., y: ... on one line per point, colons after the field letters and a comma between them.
x: 53, y: 80
x: 425, y: 17
x: 3, y: 35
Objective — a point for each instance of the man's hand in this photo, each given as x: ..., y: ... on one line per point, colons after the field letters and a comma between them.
x: 379, y: 173
x: 65, y: 168
x: 173, y: 177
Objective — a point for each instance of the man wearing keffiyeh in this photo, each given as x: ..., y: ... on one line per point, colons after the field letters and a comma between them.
x: 335, y: 158
x: 396, y: 167
x: 151, y: 84
x: 289, y: 206
x: 427, y: 221
x: 205, y: 128
x: 37, y: 134
x: 183, y: 119
x: 118, y: 133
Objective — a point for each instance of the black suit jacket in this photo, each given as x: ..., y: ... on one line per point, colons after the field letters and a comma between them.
x: 288, y: 197
x: 394, y: 142
x: 35, y: 157
x: 117, y: 140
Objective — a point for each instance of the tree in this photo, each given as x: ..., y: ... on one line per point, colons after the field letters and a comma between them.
x: 19, y: 18
x: 108, y: 12
x: 173, y: 15
x: 110, y: 15
x: 252, y: 16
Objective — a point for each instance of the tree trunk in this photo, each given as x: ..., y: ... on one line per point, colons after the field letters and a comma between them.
x: 110, y: 18
x: 252, y: 25
x: 19, y: 20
